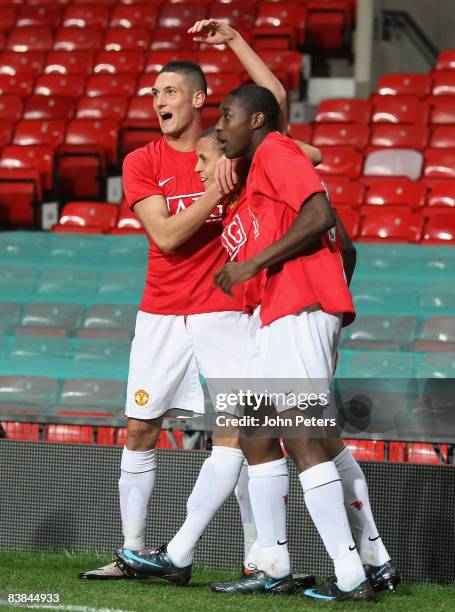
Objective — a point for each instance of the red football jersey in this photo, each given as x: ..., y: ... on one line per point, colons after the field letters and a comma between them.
x: 280, y: 180
x: 180, y: 282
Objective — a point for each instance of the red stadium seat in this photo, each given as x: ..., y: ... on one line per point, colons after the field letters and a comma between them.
x: 439, y: 229
x: 446, y: 60
x: 11, y: 107
x: 127, y: 223
x: 89, y: 214
x: 281, y: 18
x: 172, y: 39
x: 102, y: 132
x: 327, y: 24
x: 367, y: 450
x: 350, y: 220
x: 397, y: 192
x: 134, y: 16
x: 345, y: 193
x: 340, y: 161
x: 36, y: 132
x: 439, y: 164
x: 442, y: 110
x: 394, y: 162
x: 181, y: 15
x: 285, y: 65
x: 442, y: 195
x: 340, y: 134
x: 29, y: 39
x: 443, y: 137
x: 20, y: 193
x: 215, y: 62
x: 399, y: 109
x: 397, y: 452
x: 77, y: 39
x: 20, y: 84
x: 7, y: 17
x: 118, y: 62
x: 141, y: 124
x: 155, y: 60
x: 72, y: 434
x: 443, y: 83
x: 49, y: 107
x: 300, y: 131
x: 39, y: 16
x: 60, y: 85
x: 110, y: 84
x: 119, y: 39
x: 413, y: 84
x: 103, y: 107
x: 393, y: 225
x: 399, y: 136
x: 21, y: 431
x: 31, y: 62
x: 344, y: 110
x: 417, y: 452
x: 238, y: 15
x: 219, y: 85
x: 39, y: 157
x: 145, y: 84
x: 106, y: 436
x: 89, y: 16
x: 69, y: 62
x: 6, y: 132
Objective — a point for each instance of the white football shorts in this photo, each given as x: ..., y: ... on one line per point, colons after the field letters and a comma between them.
x: 168, y: 354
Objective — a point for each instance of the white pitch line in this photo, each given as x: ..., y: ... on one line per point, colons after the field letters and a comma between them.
x: 4, y: 602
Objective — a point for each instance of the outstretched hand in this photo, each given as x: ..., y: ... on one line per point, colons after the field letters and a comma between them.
x: 212, y: 32
x: 234, y: 274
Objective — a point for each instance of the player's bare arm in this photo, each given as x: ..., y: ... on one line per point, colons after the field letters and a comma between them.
x: 313, y: 153
x: 315, y: 218
x: 348, y: 250
x: 169, y: 232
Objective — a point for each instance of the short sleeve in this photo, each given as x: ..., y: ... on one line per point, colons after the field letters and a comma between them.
x: 285, y: 174
x: 139, y: 177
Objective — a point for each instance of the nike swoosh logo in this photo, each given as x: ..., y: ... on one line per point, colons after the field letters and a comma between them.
x: 161, y: 183
x: 131, y: 555
x: 271, y: 586
x: 351, y: 548
x: 374, y: 539
x: 375, y: 575
x: 312, y: 593
x: 281, y: 543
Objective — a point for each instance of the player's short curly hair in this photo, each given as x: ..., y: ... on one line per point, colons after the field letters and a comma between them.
x: 257, y: 99
x: 190, y: 70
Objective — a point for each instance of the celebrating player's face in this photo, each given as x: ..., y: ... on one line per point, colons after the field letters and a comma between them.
x: 208, y: 152
x: 173, y: 102
x: 233, y: 128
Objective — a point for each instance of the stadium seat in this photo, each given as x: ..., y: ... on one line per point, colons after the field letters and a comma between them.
x: 414, y: 84
x: 394, y: 162
x: 340, y: 134
x: 155, y: 60
x: 85, y: 396
x: 439, y: 164
x: 238, y: 15
x: 20, y: 194
x: 127, y: 223
x: 39, y: 16
x: 141, y: 124
x: 49, y: 107
x: 77, y: 39
x: 399, y: 109
x: 99, y: 132
x: 28, y: 351
x: 172, y: 39
x: 435, y: 335
x: 399, y: 136
x: 439, y: 229
x: 397, y: 192
x: 22, y: 394
x: 397, y: 226
x: 344, y: 192
x: 280, y: 19
x: 219, y: 85
x: 92, y: 214
x: 11, y: 107
x: 118, y: 62
x: 340, y: 161
x: 366, y: 450
x: 328, y: 24
x: 89, y: 16
x: 300, y: 131
x: 441, y: 195
x: 181, y: 15
x: 20, y: 84
x: 106, y: 436
x: 446, y: 60
x: 442, y: 110
x: 443, y: 137
x: 38, y: 132
x: 102, y: 356
x: 39, y: 157
x: 7, y: 17
x: 110, y: 85
x: 350, y: 220
x: 31, y: 62
x: 123, y: 39
x: 211, y: 62
x: 443, y: 83
x: 52, y: 315
x: 380, y: 333
x: 134, y: 16
x: 21, y: 431
x: 285, y: 65
x: 60, y: 85
x: 69, y: 434
x: 29, y: 39
x: 10, y: 313
x: 438, y: 365
x: 103, y: 107
x: 66, y: 284
x: 343, y: 110
x: 69, y: 62
x: 111, y: 316
x: 416, y: 452
x: 6, y: 132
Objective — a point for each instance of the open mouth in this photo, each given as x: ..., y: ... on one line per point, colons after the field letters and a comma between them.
x: 166, y: 116
x: 203, y: 179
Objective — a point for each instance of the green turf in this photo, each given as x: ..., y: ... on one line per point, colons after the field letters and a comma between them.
x: 22, y: 572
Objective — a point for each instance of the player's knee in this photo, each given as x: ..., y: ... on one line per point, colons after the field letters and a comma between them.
x: 142, y: 435
x: 306, y: 452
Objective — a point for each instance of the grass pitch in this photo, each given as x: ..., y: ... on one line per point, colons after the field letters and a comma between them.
x: 29, y: 573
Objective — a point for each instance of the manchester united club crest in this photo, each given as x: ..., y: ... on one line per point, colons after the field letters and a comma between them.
x: 142, y: 397
x: 233, y: 202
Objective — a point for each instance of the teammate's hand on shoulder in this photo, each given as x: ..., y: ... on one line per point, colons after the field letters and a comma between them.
x: 234, y: 274
x: 212, y: 32
x: 226, y: 174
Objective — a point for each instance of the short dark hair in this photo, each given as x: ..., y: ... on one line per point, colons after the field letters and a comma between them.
x: 257, y: 99
x: 190, y: 70
x: 211, y: 132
